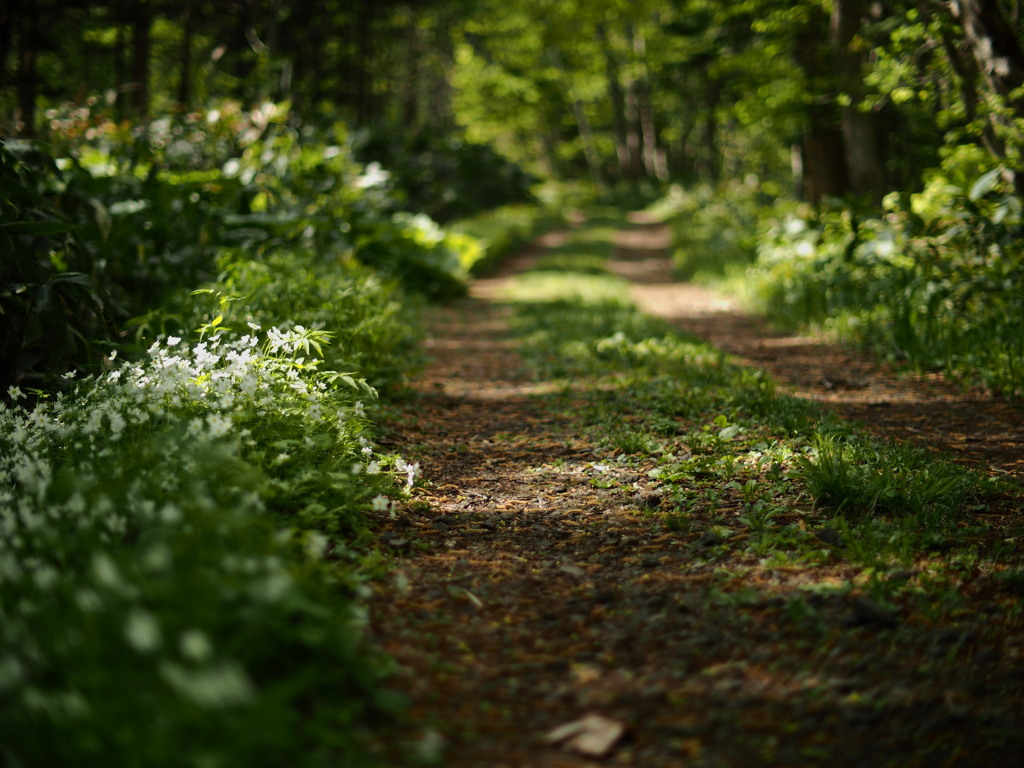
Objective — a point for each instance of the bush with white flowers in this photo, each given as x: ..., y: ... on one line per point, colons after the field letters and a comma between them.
x: 177, y: 582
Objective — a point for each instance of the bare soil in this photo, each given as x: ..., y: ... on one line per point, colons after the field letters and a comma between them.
x: 526, y: 596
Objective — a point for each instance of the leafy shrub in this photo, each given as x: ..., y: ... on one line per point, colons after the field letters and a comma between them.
x: 938, y: 281
x: 129, y: 217
x: 172, y: 539
x: 714, y: 229
x: 418, y: 253
x: 372, y: 326
x: 51, y: 307
x: 499, y: 232
x: 442, y: 174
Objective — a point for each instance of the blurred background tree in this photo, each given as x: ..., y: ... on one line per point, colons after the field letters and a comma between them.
x: 828, y: 97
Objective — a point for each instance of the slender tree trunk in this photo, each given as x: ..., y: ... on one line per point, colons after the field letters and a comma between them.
x: 654, y: 159
x: 634, y: 137
x: 617, y: 101
x: 410, y: 96
x: 1000, y: 62
x: 994, y: 46
x: 864, y: 162
x: 28, y: 49
x: 967, y: 74
x: 634, y: 131
x: 579, y: 112
x: 822, y: 146
x: 8, y: 15
x: 120, y: 72
x: 824, y: 169
x: 710, y: 163
x: 140, y: 60
x: 185, y: 60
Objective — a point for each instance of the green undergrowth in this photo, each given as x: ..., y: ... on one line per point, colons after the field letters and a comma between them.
x: 182, y: 567
x: 187, y: 456
x: 739, y: 465
x: 500, y: 232
x: 932, y: 280
x: 184, y: 535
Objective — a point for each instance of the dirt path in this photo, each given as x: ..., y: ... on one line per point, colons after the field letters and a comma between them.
x: 976, y: 428
x: 526, y: 596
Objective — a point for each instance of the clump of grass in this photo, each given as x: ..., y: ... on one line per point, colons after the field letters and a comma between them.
x: 858, y: 478
x: 630, y: 441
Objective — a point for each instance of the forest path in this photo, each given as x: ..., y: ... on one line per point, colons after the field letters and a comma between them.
x: 534, y: 587
x: 970, y: 425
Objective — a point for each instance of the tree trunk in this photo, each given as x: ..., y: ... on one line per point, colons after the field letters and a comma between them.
x: 709, y: 165
x: 967, y: 74
x: 185, y: 60
x: 1000, y: 61
x: 586, y: 134
x: 28, y: 48
x: 822, y: 157
x: 140, y: 60
x: 634, y: 132
x: 363, y: 71
x: 822, y: 148
x: 994, y: 46
x: 617, y: 101
x: 411, y: 94
x: 865, y: 165
x: 655, y: 164
x: 7, y: 20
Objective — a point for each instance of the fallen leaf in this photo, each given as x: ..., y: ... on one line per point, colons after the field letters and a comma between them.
x: 591, y: 735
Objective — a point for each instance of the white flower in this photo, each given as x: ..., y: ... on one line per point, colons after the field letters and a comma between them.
x: 412, y: 471
x: 88, y: 601
x: 195, y: 646
x: 15, y: 393
x: 117, y: 422
x: 170, y: 514
x: 105, y: 572
x: 316, y: 545
x: 381, y: 503
x: 219, y: 424
x: 142, y: 632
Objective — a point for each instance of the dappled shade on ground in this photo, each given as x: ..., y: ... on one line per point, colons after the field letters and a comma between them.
x: 536, y: 582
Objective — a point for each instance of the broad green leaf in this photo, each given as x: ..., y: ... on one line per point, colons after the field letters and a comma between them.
x: 985, y: 184
x: 729, y: 432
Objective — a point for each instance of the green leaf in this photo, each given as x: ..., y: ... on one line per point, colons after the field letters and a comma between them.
x: 985, y: 184
x: 729, y: 432
x: 36, y: 228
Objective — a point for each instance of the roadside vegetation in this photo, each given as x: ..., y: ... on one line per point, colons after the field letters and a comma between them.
x: 188, y: 463
x: 934, y: 282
